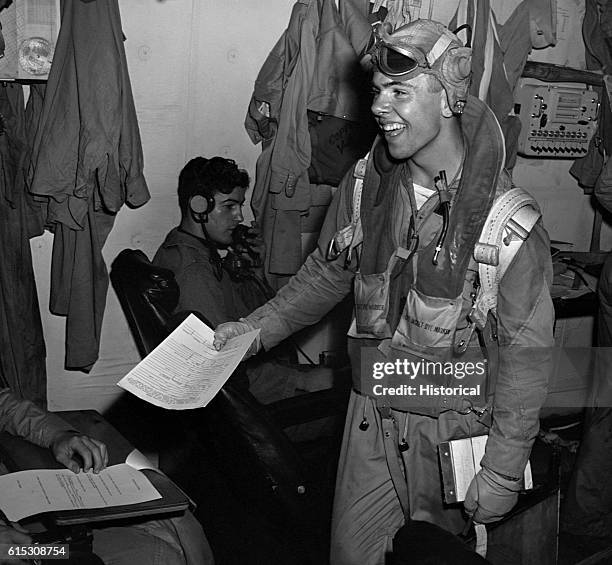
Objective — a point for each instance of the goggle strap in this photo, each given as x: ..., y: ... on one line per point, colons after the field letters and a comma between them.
x: 436, y: 51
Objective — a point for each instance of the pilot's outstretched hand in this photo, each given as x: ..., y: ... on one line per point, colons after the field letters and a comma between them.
x: 227, y: 330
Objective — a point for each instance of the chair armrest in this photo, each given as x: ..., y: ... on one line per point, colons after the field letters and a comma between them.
x: 19, y: 454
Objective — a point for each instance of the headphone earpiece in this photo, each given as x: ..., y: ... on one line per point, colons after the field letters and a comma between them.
x: 201, y: 206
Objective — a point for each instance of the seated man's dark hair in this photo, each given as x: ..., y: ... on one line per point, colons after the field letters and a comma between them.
x: 208, y: 176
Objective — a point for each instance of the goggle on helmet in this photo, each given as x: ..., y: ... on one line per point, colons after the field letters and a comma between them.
x: 423, y: 46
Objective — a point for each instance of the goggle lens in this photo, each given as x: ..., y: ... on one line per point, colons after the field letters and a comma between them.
x: 393, y: 63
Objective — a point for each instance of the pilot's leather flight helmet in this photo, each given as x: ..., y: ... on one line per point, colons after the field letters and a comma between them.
x: 423, y: 46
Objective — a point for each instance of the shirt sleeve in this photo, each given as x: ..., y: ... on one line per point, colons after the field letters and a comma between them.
x: 525, y: 319
x: 24, y: 419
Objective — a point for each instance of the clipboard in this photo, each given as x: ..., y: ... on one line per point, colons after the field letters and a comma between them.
x: 459, y: 463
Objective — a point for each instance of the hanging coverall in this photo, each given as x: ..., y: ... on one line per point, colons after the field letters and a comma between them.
x: 22, y: 346
x: 87, y: 158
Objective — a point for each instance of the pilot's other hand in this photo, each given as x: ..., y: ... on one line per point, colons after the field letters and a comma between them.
x: 490, y: 496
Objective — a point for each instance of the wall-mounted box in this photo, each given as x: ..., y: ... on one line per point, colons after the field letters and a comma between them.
x: 558, y: 120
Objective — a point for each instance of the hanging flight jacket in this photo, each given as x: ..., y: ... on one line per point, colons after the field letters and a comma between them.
x: 314, y: 66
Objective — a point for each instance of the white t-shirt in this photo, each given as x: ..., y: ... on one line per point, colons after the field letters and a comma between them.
x: 421, y: 194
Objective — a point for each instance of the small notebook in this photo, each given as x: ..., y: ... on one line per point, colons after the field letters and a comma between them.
x: 460, y: 461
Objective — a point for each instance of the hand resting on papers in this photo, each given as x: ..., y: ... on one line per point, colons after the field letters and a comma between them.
x: 77, y: 451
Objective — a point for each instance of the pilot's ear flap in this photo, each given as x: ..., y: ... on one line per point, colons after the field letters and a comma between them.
x: 457, y: 65
x: 457, y: 72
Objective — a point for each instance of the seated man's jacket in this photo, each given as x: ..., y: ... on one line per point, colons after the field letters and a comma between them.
x: 204, y: 286
x: 24, y: 419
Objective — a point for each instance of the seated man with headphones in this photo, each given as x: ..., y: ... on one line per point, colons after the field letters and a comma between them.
x: 211, y: 194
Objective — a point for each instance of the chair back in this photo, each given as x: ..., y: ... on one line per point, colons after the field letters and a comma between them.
x: 148, y: 295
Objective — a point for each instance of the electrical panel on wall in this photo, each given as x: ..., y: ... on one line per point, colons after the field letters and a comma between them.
x: 558, y: 120
x: 30, y: 29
